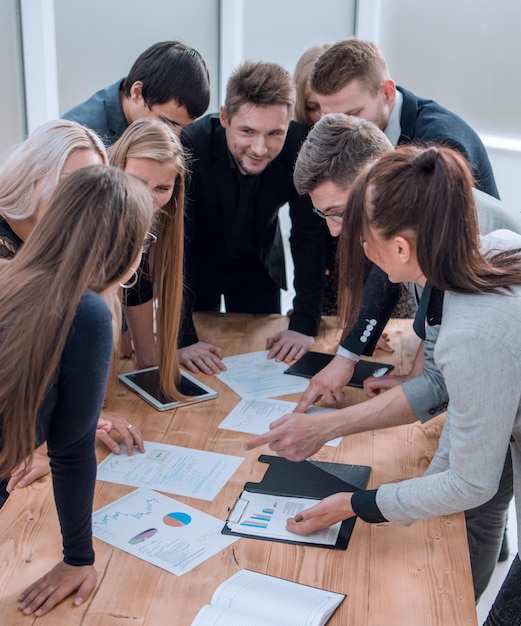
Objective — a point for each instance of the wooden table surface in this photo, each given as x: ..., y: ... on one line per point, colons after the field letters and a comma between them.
x: 392, y: 575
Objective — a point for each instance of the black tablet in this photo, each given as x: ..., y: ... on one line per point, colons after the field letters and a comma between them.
x: 146, y: 384
x: 312, y: 362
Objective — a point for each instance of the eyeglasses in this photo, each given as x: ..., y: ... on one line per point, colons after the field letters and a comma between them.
x: 338, y: 219
x: 148, y: 241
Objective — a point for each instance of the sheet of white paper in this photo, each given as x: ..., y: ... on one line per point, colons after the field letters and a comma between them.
x: 265, y: 515
x: 183, y: 471
x: 160, y: 530
x: 255, y: 416
x: 253, y: 375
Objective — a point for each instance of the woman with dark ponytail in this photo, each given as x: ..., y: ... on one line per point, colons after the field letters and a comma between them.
x: 413, y: 214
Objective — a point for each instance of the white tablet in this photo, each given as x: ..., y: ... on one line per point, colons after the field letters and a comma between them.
x: 146, y: 384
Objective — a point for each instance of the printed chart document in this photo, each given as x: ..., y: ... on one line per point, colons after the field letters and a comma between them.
x: 173, y: 469
x: 253, y: 375
x: 252, y: 599
x: 255, y: 416
x: 265, y: 515
x: 160, y: 530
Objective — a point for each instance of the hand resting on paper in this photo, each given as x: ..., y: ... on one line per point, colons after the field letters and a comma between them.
x: 326, y: 513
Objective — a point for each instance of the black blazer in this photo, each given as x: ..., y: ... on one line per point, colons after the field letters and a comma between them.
x: 212, y: 194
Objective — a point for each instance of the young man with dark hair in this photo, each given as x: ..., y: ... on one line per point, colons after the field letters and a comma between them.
x: 241, y: 174
x: 169, y: 81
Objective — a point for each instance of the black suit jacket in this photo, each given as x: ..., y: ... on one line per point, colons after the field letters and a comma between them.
x: 212, y: 195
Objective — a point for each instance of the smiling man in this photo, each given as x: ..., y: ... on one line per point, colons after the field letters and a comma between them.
x: 168, y: 80
x: 241, y: 174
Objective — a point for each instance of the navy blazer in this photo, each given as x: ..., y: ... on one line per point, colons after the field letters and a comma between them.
x: 102, y: 113
x: 212, y: 193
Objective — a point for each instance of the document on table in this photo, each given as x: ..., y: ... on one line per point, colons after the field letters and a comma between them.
x: 265, y: 515
x: 253, y: 375
x: 182, y: 471
x: 255, y: 416
x: 160, y: 530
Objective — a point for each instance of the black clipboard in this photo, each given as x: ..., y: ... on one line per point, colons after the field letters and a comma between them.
x: 306, y: 479
x: 312, y: 362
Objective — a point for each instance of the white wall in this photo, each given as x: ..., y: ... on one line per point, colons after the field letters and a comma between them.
x: 12, y: 118
x: 465, y: 54
x: 98, y: 40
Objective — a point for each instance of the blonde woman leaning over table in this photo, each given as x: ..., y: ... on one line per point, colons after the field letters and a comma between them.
x: 395, y: 207
x: 28, y: 180
x: 56, y: 341
x: 151, y: 150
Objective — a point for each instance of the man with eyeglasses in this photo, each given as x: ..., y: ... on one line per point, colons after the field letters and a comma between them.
x: 168, y: 81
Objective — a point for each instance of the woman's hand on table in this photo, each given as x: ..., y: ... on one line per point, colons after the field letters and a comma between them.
x: 40, y: 597
x: 202, y: 357
x: 288, y: 345
x: 295, y: 436
x: 27, y: 472
x: 326, y: 513
x: 130, y: 434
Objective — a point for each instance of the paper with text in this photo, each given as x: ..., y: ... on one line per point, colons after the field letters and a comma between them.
x: 173, y: 469
x: 255, y: 416
x: 160, y: 530
x: 253, y: 375
x: 266, y: 515
x: 253, y: 599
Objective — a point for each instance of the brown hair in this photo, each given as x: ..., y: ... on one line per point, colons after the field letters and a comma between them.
x: 149, y: 138
x: 426, y: 191
x: 261, y: 84
x: 335, y: 150
x: 301, y: 78
x: 348, y: 60
x: 87, y: 239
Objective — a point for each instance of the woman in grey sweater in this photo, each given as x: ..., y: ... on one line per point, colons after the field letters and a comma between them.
x: 414, y: 215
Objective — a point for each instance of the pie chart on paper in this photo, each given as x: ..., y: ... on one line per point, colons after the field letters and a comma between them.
x: 177, y: 519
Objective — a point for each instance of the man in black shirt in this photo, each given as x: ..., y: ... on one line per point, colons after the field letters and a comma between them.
x: 241, y: 174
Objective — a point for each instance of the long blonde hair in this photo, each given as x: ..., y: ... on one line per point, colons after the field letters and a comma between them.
x: 149, y: 138
x: 41, y: 157
x: 88, y: 238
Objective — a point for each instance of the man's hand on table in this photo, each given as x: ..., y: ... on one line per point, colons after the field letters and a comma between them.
x: 328, y: 384
x: 40, y: 597
x: 202, y: 357
x: 288, y: 345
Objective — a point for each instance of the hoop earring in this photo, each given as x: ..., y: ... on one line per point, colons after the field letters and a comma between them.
x: 133, y: 280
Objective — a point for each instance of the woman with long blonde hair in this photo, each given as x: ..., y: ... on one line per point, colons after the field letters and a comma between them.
x: 29, y: 177
x: 56, y: 342
x: 150, y: 149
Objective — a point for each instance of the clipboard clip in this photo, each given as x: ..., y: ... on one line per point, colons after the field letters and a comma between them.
x: 237, y: 510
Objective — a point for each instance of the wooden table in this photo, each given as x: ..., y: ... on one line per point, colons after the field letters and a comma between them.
x: 392, y: 575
